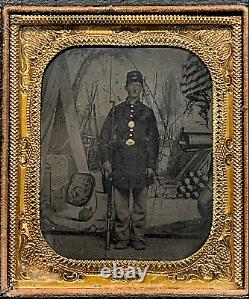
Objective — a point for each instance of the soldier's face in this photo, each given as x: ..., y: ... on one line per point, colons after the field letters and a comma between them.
x: 134, y: 89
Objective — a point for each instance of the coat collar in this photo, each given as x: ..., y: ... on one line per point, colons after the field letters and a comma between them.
x: 128, y: 101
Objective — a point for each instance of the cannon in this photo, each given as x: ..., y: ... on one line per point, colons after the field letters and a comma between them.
x: 195, y: 141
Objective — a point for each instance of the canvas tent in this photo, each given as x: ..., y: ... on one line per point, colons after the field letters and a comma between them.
x: 57, y: 92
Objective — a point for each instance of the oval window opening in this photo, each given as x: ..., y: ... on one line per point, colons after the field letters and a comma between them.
x: 126, y: 153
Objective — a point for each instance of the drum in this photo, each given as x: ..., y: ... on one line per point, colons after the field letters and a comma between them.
x: 80, y: 189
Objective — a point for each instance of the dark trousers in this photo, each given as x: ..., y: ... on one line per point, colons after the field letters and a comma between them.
x: 122, y: 213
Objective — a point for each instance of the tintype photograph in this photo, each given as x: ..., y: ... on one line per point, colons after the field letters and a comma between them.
x: 126, y: 153
x: 124, y: 140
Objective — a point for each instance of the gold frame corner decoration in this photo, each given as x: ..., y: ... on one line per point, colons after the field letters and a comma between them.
x: 219, y: 39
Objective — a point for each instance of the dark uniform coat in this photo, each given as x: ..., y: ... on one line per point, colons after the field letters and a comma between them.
x: 129, y: 139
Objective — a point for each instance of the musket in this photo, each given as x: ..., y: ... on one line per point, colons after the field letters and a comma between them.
x: 108, y: 180
x: 109, y: 189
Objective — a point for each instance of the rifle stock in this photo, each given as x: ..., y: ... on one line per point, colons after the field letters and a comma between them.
x: 109, y: 189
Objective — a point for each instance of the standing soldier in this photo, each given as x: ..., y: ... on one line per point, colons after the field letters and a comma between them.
x: 129, y: 145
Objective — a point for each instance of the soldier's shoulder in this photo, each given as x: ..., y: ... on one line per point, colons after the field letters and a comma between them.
x: 146, y: 108
x: 116, y: 108
x: 119, y: 107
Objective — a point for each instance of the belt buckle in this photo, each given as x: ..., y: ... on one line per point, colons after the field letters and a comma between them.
x: 129, y: 142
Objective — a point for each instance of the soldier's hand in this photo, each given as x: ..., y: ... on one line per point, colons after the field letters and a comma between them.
x: 107, y: 167
x: 150, y: 172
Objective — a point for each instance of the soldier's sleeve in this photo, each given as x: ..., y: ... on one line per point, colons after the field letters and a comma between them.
x: 105, y: 137
x: 153, y: 142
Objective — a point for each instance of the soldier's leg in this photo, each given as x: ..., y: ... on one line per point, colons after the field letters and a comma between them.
x: 139, y: 213
x: 122, y: 216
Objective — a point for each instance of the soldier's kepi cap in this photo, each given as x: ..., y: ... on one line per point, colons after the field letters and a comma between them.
x: 134, y: 76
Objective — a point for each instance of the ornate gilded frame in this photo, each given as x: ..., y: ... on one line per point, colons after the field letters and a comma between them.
x: 218, y: 36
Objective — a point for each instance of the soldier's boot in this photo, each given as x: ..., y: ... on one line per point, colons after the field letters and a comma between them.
x: 121, y: 245
x: 138, y: 244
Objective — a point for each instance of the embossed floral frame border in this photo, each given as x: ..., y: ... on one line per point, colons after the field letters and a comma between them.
x: 32, y: 37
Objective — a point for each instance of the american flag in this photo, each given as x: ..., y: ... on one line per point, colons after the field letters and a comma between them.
x: 196, y: 85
